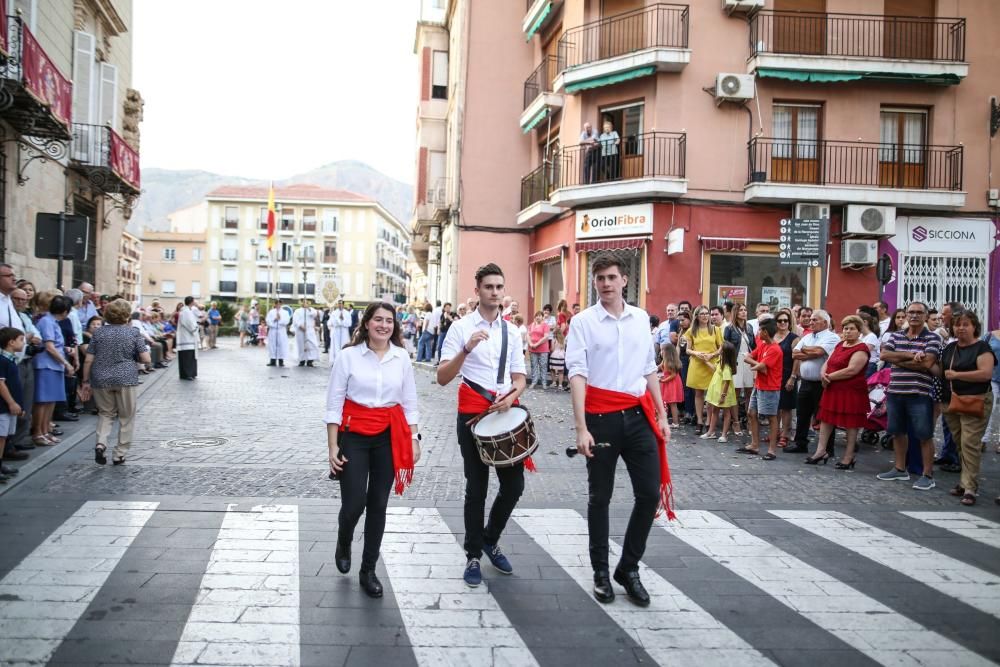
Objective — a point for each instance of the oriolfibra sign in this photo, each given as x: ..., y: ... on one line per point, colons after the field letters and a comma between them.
x: 626, y: 220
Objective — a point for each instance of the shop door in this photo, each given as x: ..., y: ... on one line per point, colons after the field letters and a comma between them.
x: 799, y: 32
x: 909, y: 29
x: 552, y: 285
x: 632, y: 260
x: 902, y: 156
x: 625, y: 34
x: 937, y: 279
x: 794, y: 157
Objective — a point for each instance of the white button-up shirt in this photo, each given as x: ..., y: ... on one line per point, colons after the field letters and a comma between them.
x: 812, y: 369
x: 481, y: 366
x: 612, y: 353
x: 358, y: 374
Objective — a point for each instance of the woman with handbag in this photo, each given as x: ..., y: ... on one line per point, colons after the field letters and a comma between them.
x: 968, y: 368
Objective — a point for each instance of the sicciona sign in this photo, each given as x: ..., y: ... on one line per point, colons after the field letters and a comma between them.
x: 627, y: 220
x: 963, y: 236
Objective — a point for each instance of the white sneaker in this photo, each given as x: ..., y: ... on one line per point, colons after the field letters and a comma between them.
x: 707, y: 436
x: 723, y: 439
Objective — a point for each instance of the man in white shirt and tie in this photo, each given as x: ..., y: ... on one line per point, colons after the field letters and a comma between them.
x: 486, y: 349
x: 612, y: 376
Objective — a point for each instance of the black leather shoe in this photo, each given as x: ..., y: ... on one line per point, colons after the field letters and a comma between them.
x: 25, y: 446
x: 795, y: 449
x: 633, y: 587
x: 16, y: 456
x: 342, y: 557
x: 602, y: 587
x: 302, y: 363
x: 272, y: 363
x: 281, y: 362
x: 7, y: 470
x: 370, y: 583
x: 66, y: 417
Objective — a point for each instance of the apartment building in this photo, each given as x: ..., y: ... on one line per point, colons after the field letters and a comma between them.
x: 174, y: 266
x: 347, y: 244
x: 69, y: 124
x: 864, y: 126
x: 129, y: 267
x: 470, y: 158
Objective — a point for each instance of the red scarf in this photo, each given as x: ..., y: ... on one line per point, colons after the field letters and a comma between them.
x: 470, y: 402
x: 363, y: 420
x: 600, y: 401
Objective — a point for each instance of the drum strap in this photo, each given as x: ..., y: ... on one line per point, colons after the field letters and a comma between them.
x: 503, y: 352
x: 479, y: 389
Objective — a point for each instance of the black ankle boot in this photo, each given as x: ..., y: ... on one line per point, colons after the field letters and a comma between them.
x: 370, y: 583
x: 272, y: 362
x: 602, y: 587
x: 633, y: 587
x: 342, y: 557
x: 281, y: 362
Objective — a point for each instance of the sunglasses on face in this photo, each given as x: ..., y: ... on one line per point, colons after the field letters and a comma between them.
x: 782, y: 321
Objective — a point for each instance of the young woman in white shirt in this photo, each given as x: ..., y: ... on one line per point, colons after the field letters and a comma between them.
x: 371, y: 418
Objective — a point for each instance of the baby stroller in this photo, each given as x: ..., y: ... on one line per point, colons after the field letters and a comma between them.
x: 877, y: 416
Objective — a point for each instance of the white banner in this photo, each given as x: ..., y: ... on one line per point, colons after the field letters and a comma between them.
x: 626, y: 220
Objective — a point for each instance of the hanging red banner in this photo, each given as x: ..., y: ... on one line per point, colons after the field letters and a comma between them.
x: 4, y: 39
x: 124, y: 160
x: 43, y: 80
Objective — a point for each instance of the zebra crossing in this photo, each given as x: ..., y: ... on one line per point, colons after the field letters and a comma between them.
x: 262, y: 591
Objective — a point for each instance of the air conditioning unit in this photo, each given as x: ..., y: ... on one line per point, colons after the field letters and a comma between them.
x: 811, y: 211
x: 855, y: 253
x: 742, y: 5
x: 733, y: 87
x: 861, y: 220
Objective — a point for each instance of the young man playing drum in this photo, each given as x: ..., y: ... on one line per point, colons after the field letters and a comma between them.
x: 612, y: 376
x: 487, y: 352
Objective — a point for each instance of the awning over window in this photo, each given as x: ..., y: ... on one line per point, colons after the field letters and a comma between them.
x: 624, y: 243
x: 547, y: 254
x: 596, y: 82
x: 539, y: 21
x: 536, y: 120
x: 837, y: 77
x: 728, y: 243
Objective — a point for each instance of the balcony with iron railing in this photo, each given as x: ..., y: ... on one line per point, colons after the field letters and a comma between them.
x: 540, y: 100
x: 622, y: 47
x: 105, y: 158
x: 908, y: 175
x: 37, y: 99
x: 824, y: 47
x: 642, y: 166
x: 539, y: 14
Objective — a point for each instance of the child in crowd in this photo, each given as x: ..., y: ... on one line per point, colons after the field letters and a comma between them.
x: 557, y: 359
x: 766, y: 362
x: 671, y: 387
x: 11, y: 394
x: 519, y: 323
x: 721, y: 393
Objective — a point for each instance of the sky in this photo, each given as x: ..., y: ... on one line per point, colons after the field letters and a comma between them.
x: 270, y: 89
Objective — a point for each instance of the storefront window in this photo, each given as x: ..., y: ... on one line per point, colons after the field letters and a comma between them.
x: 552, y: 284
x: 765, y: 280
x: 632, y: 259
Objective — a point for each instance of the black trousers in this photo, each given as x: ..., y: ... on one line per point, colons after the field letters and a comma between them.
x: 806, y: 407
x: 187, y: 363
x: 365, y: 484
x: 477, y: 483
x: 630, y: 437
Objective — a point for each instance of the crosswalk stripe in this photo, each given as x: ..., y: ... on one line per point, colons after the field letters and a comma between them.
x: 673, y: 630
x: 247, y: 611
x: 973, y: 527
x: 447, y: 622
x: 42, y: 598
x: 872, y: 628
x: 950, y: 576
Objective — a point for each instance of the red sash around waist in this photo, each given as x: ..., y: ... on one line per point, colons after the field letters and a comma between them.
x: 600, y: 401
x: 363, y: 420
x: 470, y: 402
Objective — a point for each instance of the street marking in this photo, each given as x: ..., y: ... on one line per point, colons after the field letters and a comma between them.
x: 964, y: 582
x: 960, y: 523
x: 247, y: 611
x: 867, y: 625
x: 673, y: 629
x: 43, y: 597
x: 447, y: 622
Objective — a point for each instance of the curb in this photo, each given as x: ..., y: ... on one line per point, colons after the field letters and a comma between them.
x: 38, y: 463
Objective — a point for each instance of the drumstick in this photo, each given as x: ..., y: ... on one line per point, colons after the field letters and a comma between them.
x: 472, y: 422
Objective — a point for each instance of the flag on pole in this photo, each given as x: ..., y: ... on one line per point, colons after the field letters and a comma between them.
x: 270, y: 218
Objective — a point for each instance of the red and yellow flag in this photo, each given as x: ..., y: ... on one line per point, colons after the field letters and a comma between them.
x: 270, y: 218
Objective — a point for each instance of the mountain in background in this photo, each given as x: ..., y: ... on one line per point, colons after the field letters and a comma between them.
x: 167, y: 190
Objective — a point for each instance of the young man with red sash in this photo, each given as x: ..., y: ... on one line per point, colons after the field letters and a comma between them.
x: 486, y: 350
x: 612, y: 376
x: 371, y: 417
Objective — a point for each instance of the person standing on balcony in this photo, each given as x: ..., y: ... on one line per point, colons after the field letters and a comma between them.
x: 306, y: 340
x: 610, y: 158
x: 588, y: 148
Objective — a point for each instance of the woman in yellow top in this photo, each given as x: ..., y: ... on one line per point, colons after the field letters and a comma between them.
x: 704, y: 343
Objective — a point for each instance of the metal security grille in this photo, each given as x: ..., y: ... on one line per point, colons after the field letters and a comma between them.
x: 936, y: 280
x: 632, y: 259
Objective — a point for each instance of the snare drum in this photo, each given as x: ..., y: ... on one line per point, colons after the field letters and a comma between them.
x: 504, y: 439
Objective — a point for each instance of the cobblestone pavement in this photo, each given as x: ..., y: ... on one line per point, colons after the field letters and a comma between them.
x: 214, y: 545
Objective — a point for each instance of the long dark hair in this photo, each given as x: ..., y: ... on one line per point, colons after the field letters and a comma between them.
x: 361, y: 333
x: 727, y: 357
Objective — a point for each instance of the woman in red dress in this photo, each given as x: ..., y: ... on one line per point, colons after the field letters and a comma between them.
x: 845, y: 393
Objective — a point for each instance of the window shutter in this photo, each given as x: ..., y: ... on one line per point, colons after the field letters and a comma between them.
x: 83, y: 78
x: 109, y: 96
